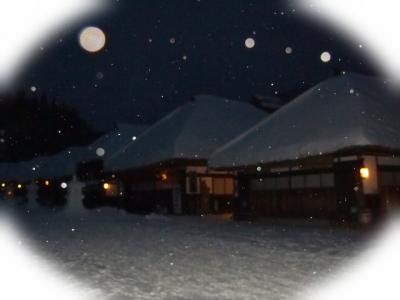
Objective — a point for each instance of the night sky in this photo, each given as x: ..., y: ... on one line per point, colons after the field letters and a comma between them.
x: 161, y: 52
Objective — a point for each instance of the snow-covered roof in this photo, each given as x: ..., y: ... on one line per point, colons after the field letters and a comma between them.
x: 193, y: 131
x: 341, y: 112
x: 28, y: 170
x: 9, y: 171
x: 65, y: 162
x: 21, y: 171
x: 14, y: 172
x: 114, y: 140
x: 61, y: 164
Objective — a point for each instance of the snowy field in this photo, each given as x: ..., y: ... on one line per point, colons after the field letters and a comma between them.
x: 124, y: 256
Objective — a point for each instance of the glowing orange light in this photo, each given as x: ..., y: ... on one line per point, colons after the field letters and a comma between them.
x: 364, y: 173
x: 19, y: 186
x: 47, y: 183
x: 164, y: 177
x: 106, y: 186
x: 3, y: 184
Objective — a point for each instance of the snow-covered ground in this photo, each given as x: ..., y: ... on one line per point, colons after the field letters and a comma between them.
x: 164, y: 257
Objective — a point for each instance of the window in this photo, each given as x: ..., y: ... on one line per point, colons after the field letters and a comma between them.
x: 270, y: 183
x: 297, y: 182
x: 219, y: 186
x: 282, y: 183
x: 192, y: 183
x: 208, y: 182
x: 229, y: 186
x: 327, y: 180
x: 313, y: 181
x: 111, y: 189
x: 264, y: 184
x: 224, y: 186
x: 257, y: 185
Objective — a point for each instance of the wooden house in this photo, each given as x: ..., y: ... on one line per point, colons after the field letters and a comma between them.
x: 165, y: 169
x: 332, y: 153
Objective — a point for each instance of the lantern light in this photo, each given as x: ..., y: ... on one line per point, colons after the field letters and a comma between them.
x: 3, y: 184
x: 19, y: 186
x: 164, y: 176
x: 106, y: 186
x: 47, y: 183
x: 364, y: 173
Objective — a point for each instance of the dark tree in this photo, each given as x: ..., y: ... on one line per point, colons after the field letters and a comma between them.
x: 36, y: 126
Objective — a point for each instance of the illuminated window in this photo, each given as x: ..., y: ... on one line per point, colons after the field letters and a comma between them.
x: 111, y: 189
x: 208, y: 181
x: 364, y: 173
x: 219, y: 186
x: 164, y: 177
x: 223, y: 186
x: 229, y: 186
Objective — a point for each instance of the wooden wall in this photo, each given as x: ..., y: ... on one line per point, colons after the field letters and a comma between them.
x: 315, y: 203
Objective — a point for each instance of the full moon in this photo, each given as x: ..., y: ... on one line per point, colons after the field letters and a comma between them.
x: 250, y: 43
x: 92, y: 39
x: 326, y: 57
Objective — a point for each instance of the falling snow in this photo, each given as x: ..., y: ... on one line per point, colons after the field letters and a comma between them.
x: 100, y: 152
x: 100, y: 75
